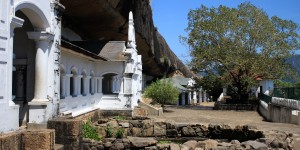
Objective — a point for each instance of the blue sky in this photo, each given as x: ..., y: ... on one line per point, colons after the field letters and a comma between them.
x: 170, y: 16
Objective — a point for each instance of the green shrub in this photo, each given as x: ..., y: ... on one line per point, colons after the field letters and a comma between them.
x: 162, y: 91
x: 120, y: 133
x: 109, y: 131
x: 89, y: 131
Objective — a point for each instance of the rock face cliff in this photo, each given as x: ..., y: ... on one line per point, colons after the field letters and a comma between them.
x: 106, y: 20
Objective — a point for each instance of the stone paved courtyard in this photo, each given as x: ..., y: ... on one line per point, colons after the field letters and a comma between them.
x: 204, y: 114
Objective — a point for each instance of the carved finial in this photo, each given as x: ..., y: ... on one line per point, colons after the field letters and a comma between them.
x: 131, y: 32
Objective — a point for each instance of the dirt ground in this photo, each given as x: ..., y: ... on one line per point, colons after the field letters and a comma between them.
x: 204, y: 114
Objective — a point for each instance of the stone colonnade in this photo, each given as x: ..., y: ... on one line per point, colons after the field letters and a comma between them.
x: 192, y: 97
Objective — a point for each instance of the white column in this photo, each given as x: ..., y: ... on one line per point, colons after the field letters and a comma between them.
x: 204, y: 96
x: 190, y: 98
x: 200, y: 96
x: 183, y: 98
x: 67, y: 78
x: 62, y: 86
x: 78, y: 84
x: 43, y: 43
x: 88, y: 85
x: 99, y: 83
x: 95, y: 85
x: 195, y: 96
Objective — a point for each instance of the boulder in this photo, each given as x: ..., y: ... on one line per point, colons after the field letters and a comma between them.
x: 151, y: 148
x: 254, y: 144
x: 185, y: 147
x: 172, y: 133
x: 174, y: 146
x: 163, y: 146
x: 188, y: 131
x: 117, y: 146
x: 192, y: 144
x: 113, y: 123
x: 160, y: 129
x: 209, y: 144
x: 124, y: 124
x: 139, y: 142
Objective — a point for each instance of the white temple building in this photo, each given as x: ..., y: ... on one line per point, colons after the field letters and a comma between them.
x: 47, y: 70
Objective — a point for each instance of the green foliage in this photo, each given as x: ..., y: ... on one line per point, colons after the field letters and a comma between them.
x: 120, y: 117
x: 162, y: 91
x: 89, y: 131
x: 109, y: 131
x: 240, y: 44
x: 164, y: 142
x: 120, y: 133
x: 212, y: 84
x: 284, y: 84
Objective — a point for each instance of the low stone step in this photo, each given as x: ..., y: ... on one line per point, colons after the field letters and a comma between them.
x: 42, y: 139
x: 59, y: 147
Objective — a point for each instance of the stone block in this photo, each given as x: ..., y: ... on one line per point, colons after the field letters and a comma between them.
x: 135, y: 131
x: 188, y: 131
x: 160, y: 129
x: 138, y: 142
x: 101, y: 131
x: 72, y: 142
x: 38, y: 139
x: 148, y: 131
x: 135, y: 123
x: 10, y: 141
x: 67, y: 131
x: 172, y: 133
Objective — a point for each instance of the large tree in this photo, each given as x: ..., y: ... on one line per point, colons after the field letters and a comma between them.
x: 240, y: 44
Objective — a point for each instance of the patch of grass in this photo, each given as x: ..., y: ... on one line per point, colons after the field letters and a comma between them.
x: 164, y: 142
x: 120, y: 117
x: 109, y: 131
x: 89, y: 131
x: 120, y: 133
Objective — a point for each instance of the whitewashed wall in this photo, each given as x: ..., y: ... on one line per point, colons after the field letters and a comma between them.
x: 80, y: 104
x: 42, y: 17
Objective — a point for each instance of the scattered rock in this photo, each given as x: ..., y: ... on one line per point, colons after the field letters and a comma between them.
x: 159, y: 129
x: 141, y: 142
x: 192, y: 144
x: 107, y: 144
x: 174, y: 146
x: 188, y: 131
x: 151, y: 148
x: 102, y: 121
x: 113, y: 123
x: 184, y: 147
x: 163, y: 146
x: 254, y: 144
x: 235, y: 142
x: 172, y: 133
x: 224, y: 144
x: 124, y: 124
x: 117, y: 146
x: 208, y: 144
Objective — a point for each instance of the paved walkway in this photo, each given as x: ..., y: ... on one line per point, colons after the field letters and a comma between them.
x: 204, y: 114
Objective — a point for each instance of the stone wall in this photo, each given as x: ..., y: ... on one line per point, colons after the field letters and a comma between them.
x: 145, y: 133
x: 28, y: 140
x: 68, y: 130
x: 141, y: 127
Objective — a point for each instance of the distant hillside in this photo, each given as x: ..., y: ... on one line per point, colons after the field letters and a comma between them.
x: 295, y: 62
